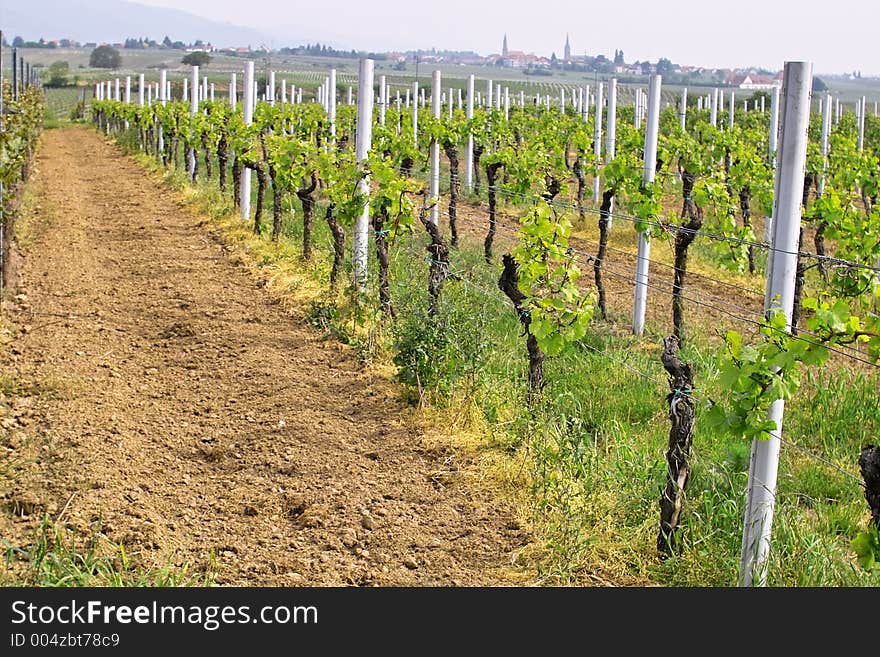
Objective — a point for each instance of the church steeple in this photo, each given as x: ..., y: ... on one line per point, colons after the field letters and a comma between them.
x: 567, y: 49
x: 504, y: 47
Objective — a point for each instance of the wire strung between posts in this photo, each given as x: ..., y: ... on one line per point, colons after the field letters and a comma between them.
x: 497, y: 296
x: 672, y: 227
x: 756, y: 320
x: 590, y: 258
x: 657, y: 262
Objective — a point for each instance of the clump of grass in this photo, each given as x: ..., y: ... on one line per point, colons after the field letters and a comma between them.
x: 57, y: 558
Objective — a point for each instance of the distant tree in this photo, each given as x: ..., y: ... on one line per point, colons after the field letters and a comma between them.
x: 105, y: 57
x: 198, y: 58
x: 819, y: 85
x: 618, y: 57
x: 664, y: 66
x: 56, y: 74
x: 17, y: 42
x: 553, y: 60
x: 166, y: 42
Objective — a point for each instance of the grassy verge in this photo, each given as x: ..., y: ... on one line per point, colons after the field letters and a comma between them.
x: 586, y: 466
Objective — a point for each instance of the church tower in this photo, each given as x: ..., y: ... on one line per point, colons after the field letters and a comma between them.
x: 504, y: 47
x: 567, y: 49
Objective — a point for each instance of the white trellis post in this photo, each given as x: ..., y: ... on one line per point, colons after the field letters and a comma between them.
x: 331, y: 103
x: 248, y: 116
x: 436, y: 91
x: 141, y: 89
x: 644, y: 249
x: 233, y: 92
x: 469, y: 154
x: 774, y: 136
x: 732, y: 107
x: 415, y: 112
x: 193, y: 108
x: 610, y: 132
x: 826, y: 131
x: 682, y: 111
x: 163, y: 98
x: 787, y: 198
x: 363, y: 142
x: 713, y: 112
x: 383, y: 100
x: 862, y: 107
x: 597, y: 140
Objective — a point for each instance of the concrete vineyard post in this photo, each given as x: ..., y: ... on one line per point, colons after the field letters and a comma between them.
x: 611, y: 132
x: 644, y: 249
x: 383, y: 100
x: 862, y: 108
x: 713, y: 112
x: 682, y: 111
x: 248, y: 116
x: 586, y: 107
x: 193, y: 108
x: 597, y: 140
x: 469, y: 153
x: 826, y: 131
x: 233, y: 92
x: 163, y: 98
x: 415, y: 112
x: 435, y: 148
x: 349, y: 99
x: 128, y: 90
x: 788, y: 193
x: 331, y: 103
x: 141, y: 89
x: 506, y: 104
x: 774, y: 136
x: 270, y: 92
x: 283, y: 91
x: 363, y: 141
x: 488, y: 94
x: 730, y: 114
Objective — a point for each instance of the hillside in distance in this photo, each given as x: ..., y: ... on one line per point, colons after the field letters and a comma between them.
x: 115, y: 20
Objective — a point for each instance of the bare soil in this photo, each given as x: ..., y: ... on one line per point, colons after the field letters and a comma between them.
x: 166, y: 400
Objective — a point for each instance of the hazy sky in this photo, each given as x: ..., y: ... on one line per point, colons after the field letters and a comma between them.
x: 836, y: 38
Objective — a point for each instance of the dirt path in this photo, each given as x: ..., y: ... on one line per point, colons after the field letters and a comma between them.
x: 186, y: 415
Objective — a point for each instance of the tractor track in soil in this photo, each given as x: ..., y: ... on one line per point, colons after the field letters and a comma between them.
x: 185, y: 415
